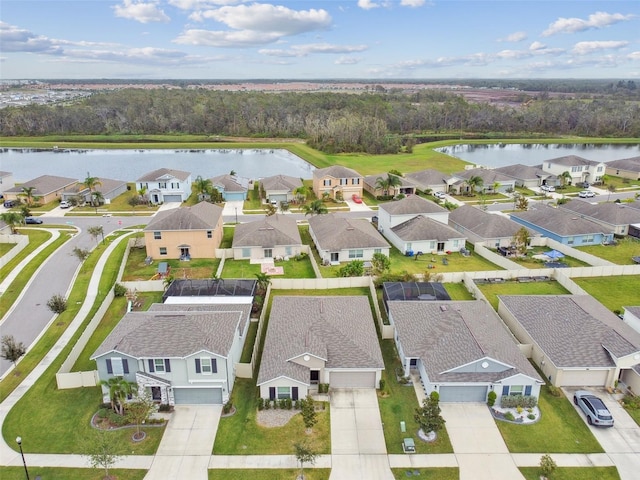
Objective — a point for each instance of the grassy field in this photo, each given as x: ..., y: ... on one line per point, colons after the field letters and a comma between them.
x: 574, y: 473
x: 491, y: 291
x: 620, y: 253
x: 49, y: 473
x: 613, y: 292
x: 530, y: 262
x: 6, y: 247
x: 120, y: 204
x: 270, y: 474
x: 292, y: 269
x: 137, y: 269
x: 36, y: 238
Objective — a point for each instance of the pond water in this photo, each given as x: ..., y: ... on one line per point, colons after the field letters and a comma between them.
x: 128, y: 165
x: 500, y: 155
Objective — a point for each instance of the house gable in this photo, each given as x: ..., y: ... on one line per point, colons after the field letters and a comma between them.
x: 482, y: 365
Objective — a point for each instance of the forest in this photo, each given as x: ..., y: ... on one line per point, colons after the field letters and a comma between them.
x: 373, y: 122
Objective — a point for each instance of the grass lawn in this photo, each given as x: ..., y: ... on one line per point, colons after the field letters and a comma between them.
x: 5, y: 247
x: 574, y: 473
x: 458, y: 291
x: 397, y: 404
x: 456, y: 263
x: 253, y: 201
x: 560, y: 430
x: 530, y: 262
x: 451, y: 473
x: 120, y: 204
x: 269, y: 474
x: 227, y: 237
x: 613, y: 292
x: 36, y: 238
x: 240, y: 434
x: 247, y: 350
x: 244, y: 269
x: 50, y: 473
x: 619, y: 253
x: 492, y: 290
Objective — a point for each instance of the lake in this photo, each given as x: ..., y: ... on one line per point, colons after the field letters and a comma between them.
x: 128, y: 165
x: 500, y: 155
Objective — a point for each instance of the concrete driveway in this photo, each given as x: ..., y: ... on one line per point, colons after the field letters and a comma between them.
x: 358, y: 450
x: 477, y: 443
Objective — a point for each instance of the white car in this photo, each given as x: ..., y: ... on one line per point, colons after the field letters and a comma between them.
x: 440, y: 195
x: 586, y: 194
x: 65, y: 204
x: 551, y: 188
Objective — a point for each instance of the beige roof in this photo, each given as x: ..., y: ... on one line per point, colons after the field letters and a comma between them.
x: 281, y: 183
x: 45, y: 184
x: 340, y: 233
x: 339, y: 329
x: 106, y: 185
x: 203, y: 216
x: 559, y: 221
x: 412, y: 205
x: 404, y: 181
x: 275, y: 230
x: 164, y: 174
x: 484, y: 224
x: 335, y: 171
x: 243, y: 308
x: 608, y: 212
x: 522, y: 172
x: 421, y: 228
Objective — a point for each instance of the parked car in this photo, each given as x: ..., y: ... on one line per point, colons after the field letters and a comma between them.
x: 9, y: 203
x: 32, y: 220
x: 584, y: 185
x: 586, y: 194
x: 551, y: 188
x: 594, y: 408
x: 65, y: 204
x: 440, y: 195
x: 356, y: 198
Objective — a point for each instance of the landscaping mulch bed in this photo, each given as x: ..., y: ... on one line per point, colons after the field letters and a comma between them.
x: 275, y: 418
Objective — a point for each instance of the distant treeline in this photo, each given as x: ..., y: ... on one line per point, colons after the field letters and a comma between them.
x: 332, y: 122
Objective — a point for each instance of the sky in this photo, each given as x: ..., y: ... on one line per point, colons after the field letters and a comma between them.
x: 319, y: 39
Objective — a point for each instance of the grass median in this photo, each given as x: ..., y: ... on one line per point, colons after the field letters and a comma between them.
x: 50, y: 473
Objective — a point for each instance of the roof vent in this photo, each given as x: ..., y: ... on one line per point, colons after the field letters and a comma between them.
x: 443, y: 308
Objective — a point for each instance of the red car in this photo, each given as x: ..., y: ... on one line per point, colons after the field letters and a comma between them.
x: 356, y: 198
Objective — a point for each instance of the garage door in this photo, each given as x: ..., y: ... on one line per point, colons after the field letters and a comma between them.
x: 463, y: 393
x: 584, y: 378
x: 352, y: 380
x: 197, y: 396
x: 278, y: 198
x: 172, y: 198
x: 234, y: 196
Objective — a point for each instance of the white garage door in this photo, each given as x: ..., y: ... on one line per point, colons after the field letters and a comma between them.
x: 463, y: 393
x: 584, y: 378
x: 352, y: 380
x: 172, y: 198
x: 197, y: 396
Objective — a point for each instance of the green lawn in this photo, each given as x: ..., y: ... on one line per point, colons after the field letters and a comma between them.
x: 120, y: 204
x: 50, y: 473
x: 292, y: 269
x: 613, y: 292
x: 227, y: 237
x: 560, y: 430
x: 269, y: 474
x: 253, y: 201
x: 36, y: 238
x: 458, y: 291
x: 247, y: 350
x: 492, y: 290
x: 530, y: 262
x: 451, y: 473
x: 619, y: 253
x: 5, y: 247
x: 397, y: 404
x: 574, y: 473
x: 456, y: 263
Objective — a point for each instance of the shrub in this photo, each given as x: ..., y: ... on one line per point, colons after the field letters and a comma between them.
x: 226, y: 408
x: 119, y: 290
x: 631, y: 402
x: 547, y: 465
x: 267, y: 404
x: 555, y: 391
x: 103, y: 413
x: 382, y: 384
x: 283, y: 403
x: 119, y: 420
x: 57, y: 304
x: 260, y: 403
x: 165, y: 407
x: 491, y: 398
x: 515, y: 401
x: 531, y: 416
x: 509, y: 416
x: 519, y: 409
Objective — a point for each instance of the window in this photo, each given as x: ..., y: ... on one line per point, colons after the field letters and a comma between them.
x: 117, y: 366
x: 587, y: 239
x: 157, y: 235
x: 377, y: 250
x: 505, y: 390
x: 344, y: 181
x: 356, y: 253
x: 206, y: 366
x: 570, y: 240
x: 209, y: 234
x: 268, y: 253
x: 516, y: 390
x: 355, y: 181
x: 284, y: 392
x: 159, y: 365
x: 163, y: 250
x: 599, y: 169
x: 432, y: 245
x: 162, y: 185
x: 576, y: 169
x: 288, y: 251
x: 246, y: 253
x: 326, y: 182
x: 456, y: 244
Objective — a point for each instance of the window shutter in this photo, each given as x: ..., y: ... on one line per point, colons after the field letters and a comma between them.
x: 198, y: 369
x: 505, y: 390
x: 527, y: 390
x: 272, y: 393
x: 125, y: 365
x: 294, y: 393
x: 151, y: 369
x: 167, y: 365
x: 109, y: 367
x: 214, y: 365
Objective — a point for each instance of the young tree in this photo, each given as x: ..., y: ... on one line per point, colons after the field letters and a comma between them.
x: 139, y: 411
x: 522, y: 203
x: 96, y: 231
x: 270, y: 209
x: 547, y: 466
x: 27, y: 193
x: 305, y: 455
x: 103, y: 450
x: 12, y: 219
x: 91, y: 182
x: 203, y: 186
x: 611, y: 188
x: 475, y: 182
x: 81, y: 253
x: 97, y: 199
x: 521, y: 239
x: 380, y: 263
x: 308, y: 412
x: 388, y: 184
x: 263, y: 280
x: 57, y: 304
x: 119, y: 390
x: 11, y: 349
x: 315, y: 208
x: 428, y: 416
x: 355, y: 268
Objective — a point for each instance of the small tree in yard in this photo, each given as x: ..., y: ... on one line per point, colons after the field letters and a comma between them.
x: 102, y: 451
x: 521, y: 240
x: 355, y: 268
x: 81, y: 253
x: 139, y: 411
x: 96, y: 231
x: 380, y: 263
x: 547, y: 466
x: 428, y: 416
x: 57, y: 304
x: 308, y: 412
x: 11, y: 349
x: 304, y: 454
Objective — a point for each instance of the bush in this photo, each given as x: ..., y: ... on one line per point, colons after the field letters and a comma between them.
x: 119, y: 290
x: 515, y: 401
x: 267, y: 404
x: 531, y: 416
x: 547, y: 465
x: 491, y: 398
x: 119, y: 420
x: 631, y: 402
x: 260, y: 403
x: 226, y: 408
x: 382, y: 383
x: 57, y: 304
x: 555, y: 391
x: 103, y: 413
x: 509, y: 416
x: 165, y: 407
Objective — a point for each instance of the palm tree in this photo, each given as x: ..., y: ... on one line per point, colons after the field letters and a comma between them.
x: 119, y: 389
x: 565, y: 178
x: 301, y: 192
x: 387, y: 184
x: 203, y: 186
x: 142, y: 193
x: 475, y: 182
x: 495, y: 187
x: 12, y: 219
x: 263, y: 280
x: 27, y: 192
x: 96, y: 199
x: 91, y: 182
x: 315, y: 208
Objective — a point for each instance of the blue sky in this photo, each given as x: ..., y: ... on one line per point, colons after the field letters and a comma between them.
x: 312, y: 39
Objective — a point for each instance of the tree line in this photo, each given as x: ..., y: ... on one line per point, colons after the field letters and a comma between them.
x: 381, y: 122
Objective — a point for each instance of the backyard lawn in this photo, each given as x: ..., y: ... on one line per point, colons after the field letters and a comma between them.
x: 613, y: 292
x: 270, y: 474
x: 620, y: 253
x: 574, y: 473
x: 530, y: 262
x: 120, y: 204
x: 292, y: 269
x: 492, y: 290
x: 456, y: 263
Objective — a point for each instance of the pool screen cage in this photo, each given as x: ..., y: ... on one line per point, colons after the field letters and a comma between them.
x: 417, y: 291
x: 211, y: 288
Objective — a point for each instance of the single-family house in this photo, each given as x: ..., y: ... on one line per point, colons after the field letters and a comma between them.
x: 47, y: 187
x: 563, y: 225
x: 573, y: 339
x: 631, y: 317
x: 580, y: 169
x: 492, y: 230
x: 275, y: 236
x: 6, y: 181
x: 231, y: 187
x: 394, y: 213
x: 165, y: 185
x: 108, y: 188
x: 178, y: 357
x: 422, y: 234
x: 333, y: 342
x: 337, y: 182
x: 406, y: 186
x: 615, y: 217
x: 527, y: 176
x: 431, y: 180
x: 280, y: 188
x: 625, y: 168
x: 460, y: 349
x: 185, y: 233
x: 492, y: 181
x: 341, y: 239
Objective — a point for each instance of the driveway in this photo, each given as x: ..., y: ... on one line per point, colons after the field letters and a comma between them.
x: 358, y: 450
x: 477, y: 443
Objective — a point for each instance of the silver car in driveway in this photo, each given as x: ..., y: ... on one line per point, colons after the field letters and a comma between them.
x: 594, y: 408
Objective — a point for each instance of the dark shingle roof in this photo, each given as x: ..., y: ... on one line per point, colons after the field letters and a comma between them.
x: 281, y: 183
x: 45, y: 184
x: 559, y: 221
x: 631, y: 164
x: 522, y: 172
x: 484, y: 224
x: 571, y: 161
x: 340, y: 330
x: 335, y: 171
x: 449, y: 334
x: 275, y: 230
x: 243, y: 308
x: 611, y: 213
x: 231, y: 183
x: 422, y: 228
x: 338, y: 233
x: 429, y: 177
x: 488, y: 176
x: 412, y: 205
x: 164, y: 174
x: 203, y: 216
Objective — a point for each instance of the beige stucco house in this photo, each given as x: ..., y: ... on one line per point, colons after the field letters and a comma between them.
x: 185, y: 233
x: 47, y: 187
x: 337, y: 181
x: 272, y: 237
x: 625, y: 168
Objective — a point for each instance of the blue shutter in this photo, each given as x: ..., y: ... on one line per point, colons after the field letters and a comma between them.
x: 109, y: 367
x: 272, y: 393
x: 214, y: 365
x: 527, y: 390
x: 167, y: 365
x: 198, y: 370
x: 151, y: 369
x: 125, y: 365
x: 294, y: 393
x: 505, y: 390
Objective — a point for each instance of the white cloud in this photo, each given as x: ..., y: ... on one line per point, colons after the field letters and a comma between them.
x: 304, y: 50
x: 345, y: 60
x: 585, y: 48
x: 242, y: 38
x: 634, y: 56
x: 14, y: 39
x: 512, y: 54
x: 201, y: 4
x: 412, y: 3
x: 367, y: 4
x: 143, y: 12
x: 595, y: 21
x: 514, y: 37
x: 537, y: 46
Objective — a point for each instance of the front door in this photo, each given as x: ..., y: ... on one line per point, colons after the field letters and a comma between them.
x: 184, y: 253
x: 156, y: 394
x: 441, y: 246
x: 315, y: 377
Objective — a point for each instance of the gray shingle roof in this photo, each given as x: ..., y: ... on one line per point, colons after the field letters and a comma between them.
x: 45, y: 184
x: 202, y: 216
x: 275, y: 230
x: 611, y: 213
x: 449, y: 334
x: 243, y: 308
x: 106, y: 185
x: 335, y: 171
x: 338, y: 329
x: 429, y: 177
x: 571, y: 161
x: 631, y: 164
x: 573, y: 330
x: 164, y: 174
x: 484, y: 224
x: 281, y: 183
x: 172, y: 334
x: 231, y: 183
x: 404, y: 181
x: 559, y: 221
x: 421, y: 228
x: 522, y: 172
x: 488, y: 176
x: 412, y: 205
x: 339, y: 233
